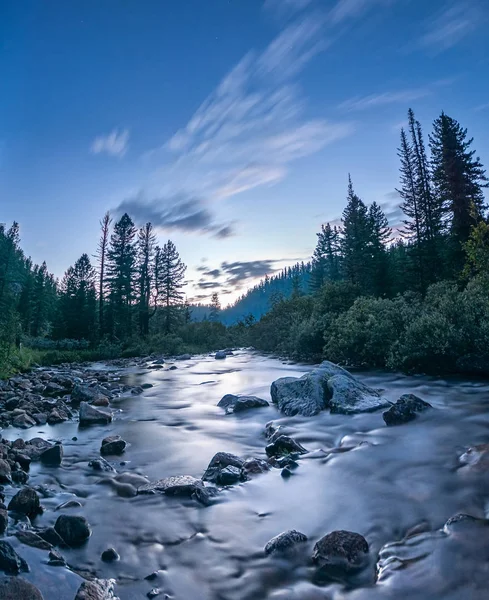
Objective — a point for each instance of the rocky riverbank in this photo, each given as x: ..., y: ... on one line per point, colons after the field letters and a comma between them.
x: 111, y: 474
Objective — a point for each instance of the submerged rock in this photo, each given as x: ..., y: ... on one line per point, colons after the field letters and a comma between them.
x: 16, y: 588
x: 26, y: 502
x: 285, y: 541
x: 219, y: 463
x: 233, y: 403
x: 100, y: 464
x: 343, y: 550
x: 180, y: 485
x: 405, y: 410
x: 98, y: 589
x: 254, y: 466
x: 52, y: 456
x: 110, y: 555
x: 113, y: 444
x: 284, y: 445
x: 327, y: 386
x: 10, y: 561
x: 92, y: 416
x: 73, y: 530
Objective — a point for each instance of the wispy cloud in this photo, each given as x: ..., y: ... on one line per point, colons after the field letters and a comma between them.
x: 352, y: 9
x: 384, y: 98
x: 114, y: 144
x: 481, y: 107
x: 177, y: 213
x: 252, y: 127
x: 450, y: 26
x: 285, y: 8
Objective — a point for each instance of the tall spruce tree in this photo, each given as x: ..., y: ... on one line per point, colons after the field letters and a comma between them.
x: 215, y: 309
x: 459, y: 180
x: 76, y: 317
x: 169, y: 281
x: 326, y: 257
x: 380, y: 235
x: 121, y: 268
x: 355, y: 240
x: 102, y: 259
x: 145, y: 257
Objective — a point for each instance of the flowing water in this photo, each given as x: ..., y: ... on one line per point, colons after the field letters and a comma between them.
x: 404, y: 477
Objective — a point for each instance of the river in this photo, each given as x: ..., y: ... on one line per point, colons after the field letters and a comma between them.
x: 404, y: 477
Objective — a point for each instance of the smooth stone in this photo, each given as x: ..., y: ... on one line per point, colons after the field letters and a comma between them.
x: 26, y: 502
x: 233, y: 403
x: 10, y: 561
x: 93, y: 416
x: 100, y: 464
x: 220, y: 461
x: 29, y: 538
x: 285, y: 541
x: 112, y: 445
x: 110, y: 555
x: 405, y: 410
x: 221, y: 355
x: 344, y: 550
x: 16, y: 588
x: 73, y: 529
x: 52, y: 456
x: 3, y: 520
x: 284, y: 445
x: 179, y: 485
x: 23, y: 421
x: 5, y: 472
x: 55, y: 559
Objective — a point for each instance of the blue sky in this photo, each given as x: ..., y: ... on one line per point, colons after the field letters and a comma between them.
x: 231, y: 124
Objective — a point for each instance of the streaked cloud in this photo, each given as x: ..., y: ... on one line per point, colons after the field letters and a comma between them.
x: 450, y: 26
x: 251, y: 129
x: 177, y: 213
x: 344, y: 10
x: 115, y: 143
x: 384, y: 98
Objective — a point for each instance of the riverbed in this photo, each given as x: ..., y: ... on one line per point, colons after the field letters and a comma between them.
x: 358, y: 475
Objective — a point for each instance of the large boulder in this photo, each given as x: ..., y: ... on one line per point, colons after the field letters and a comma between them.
x: 84, y: 393
x: 283, y: 446
x: 233, y: 403
x: 53, y: 456
x: 16, y: 588
x: 93, y: 416
x: 73, y: 530
x: 341, y: 550
x: 327, y: 386
x: 285, y: 541
x: 405, y: 410
x: 5, y: 472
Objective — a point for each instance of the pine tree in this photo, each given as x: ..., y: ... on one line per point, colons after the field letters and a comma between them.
x: 76, y: 317
x: 411, y: 206
x: 145, y: 256
x: 215, y: 309
x: 380, y: 235
x: 355, y: 240
x: 459, y: 179
x: 121, y: 266
x: 169, y: 281
x: 102, y: 258
x: 326, y: 259
x: 43, y: 300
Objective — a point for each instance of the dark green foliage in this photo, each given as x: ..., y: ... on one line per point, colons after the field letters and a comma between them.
x: 145, y: 274
x: 326, y: 258
x: 458, y: 180
x: 169, y: 279
x: 76, y: 314
x: 215, y: 310
x: 121, y: 268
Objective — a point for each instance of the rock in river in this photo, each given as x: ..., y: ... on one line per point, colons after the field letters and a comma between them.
x: 73, y: 530
x: 284, y: 445
x: 405, y: 410
x: 52, y: 456
x: 92, y: 416
x: 113, y: 444
x: 233, y: 403
x: 285, y: 541
x: 26, y: 502
x: 10, y: 561
x: 344, y: 550
x: 221, y: 355
x: 179, y: 485
x: 219, y: 463
x: 98, y: 589
x: 327, y: 386
x: 5, y: 472
x: 16, y: 588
